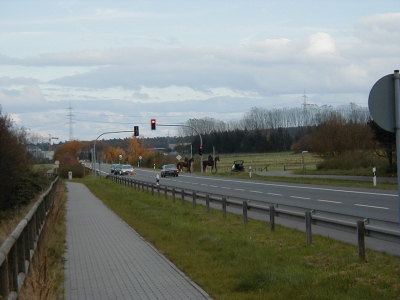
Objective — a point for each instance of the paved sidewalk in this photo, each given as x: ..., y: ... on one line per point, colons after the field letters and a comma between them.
x: 107, y: 259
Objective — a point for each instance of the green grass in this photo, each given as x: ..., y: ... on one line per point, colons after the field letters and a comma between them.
x: 300, y: 180
x: 232, y: 260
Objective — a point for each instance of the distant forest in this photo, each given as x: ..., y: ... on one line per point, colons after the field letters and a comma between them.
x: 260, y: 130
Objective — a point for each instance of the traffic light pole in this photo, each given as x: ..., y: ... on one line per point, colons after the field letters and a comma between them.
x: 94, y: 148
x: 201, y: 140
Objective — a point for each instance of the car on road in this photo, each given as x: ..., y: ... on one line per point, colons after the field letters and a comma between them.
x: 169, y: 170
x: 113, y: 166
x: 117, y: 169
x: 126, y: 170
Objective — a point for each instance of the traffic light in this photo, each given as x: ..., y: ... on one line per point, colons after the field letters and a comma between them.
x: 153, y: 124
x: 200, y: 150
x: 136, y: 130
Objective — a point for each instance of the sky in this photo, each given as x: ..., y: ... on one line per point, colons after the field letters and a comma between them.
x: 79, y: 69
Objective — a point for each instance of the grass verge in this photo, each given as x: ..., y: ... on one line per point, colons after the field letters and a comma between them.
x: 45, y: 280
x: 304, y: 180
x: 232, y: 260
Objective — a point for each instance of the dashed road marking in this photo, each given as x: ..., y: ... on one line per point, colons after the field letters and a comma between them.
x: 330, y: 201
x: 305, y: 198
x: 379, y: 207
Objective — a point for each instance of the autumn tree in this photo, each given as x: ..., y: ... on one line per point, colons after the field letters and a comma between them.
x: 335, y: 136
x: 13, y: 159
x: 112, y: 154
x: 67, y: 153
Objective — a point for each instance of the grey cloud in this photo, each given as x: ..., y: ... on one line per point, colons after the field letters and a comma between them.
x: 7, y: 81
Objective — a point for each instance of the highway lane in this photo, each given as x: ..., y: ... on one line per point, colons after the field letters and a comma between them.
x: 380, y: 205
x: 363, y: 203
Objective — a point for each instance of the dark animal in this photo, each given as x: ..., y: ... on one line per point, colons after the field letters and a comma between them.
x: 207, y: 163
x: 184, y: 164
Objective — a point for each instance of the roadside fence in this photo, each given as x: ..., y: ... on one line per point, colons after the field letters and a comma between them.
x: 18, y: 249
x: 360, y: 226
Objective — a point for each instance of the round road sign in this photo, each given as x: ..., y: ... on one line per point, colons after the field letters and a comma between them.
x: 381, y: 103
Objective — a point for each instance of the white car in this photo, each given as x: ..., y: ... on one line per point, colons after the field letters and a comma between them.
x: 126, y: 170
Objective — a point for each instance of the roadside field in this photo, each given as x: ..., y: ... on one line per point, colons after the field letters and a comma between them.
x: 278, y: 161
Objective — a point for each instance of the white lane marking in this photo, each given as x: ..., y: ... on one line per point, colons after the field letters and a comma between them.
x: 224, y: 187
x: 300, y: 197
x: 204, y: 184
x: 213, y: 186
x: 274, y: 194
x: 256, y: 192
x: 329, y: 201
x: 379, y: 207
x: 239, y: 189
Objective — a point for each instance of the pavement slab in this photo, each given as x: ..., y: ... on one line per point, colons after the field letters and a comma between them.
x: 107, y: 259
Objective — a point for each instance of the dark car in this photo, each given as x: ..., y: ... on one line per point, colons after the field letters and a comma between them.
x: 126, y: 170
x: 117, y: 169
x: 169, y: 170
x: 113, y: 166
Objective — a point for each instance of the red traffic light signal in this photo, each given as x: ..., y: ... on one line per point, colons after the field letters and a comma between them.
x: 153, y: 124
x: 200, y: 150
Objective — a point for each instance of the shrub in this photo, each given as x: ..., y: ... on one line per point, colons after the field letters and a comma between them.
x: 78, y: 171
x: 27, y: 187
x: 352, y: 160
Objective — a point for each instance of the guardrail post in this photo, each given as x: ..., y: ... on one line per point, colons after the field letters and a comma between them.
x: 361, y: 240
x: 20, y: 253
x: 194, y: 199
x: 183, y: 196
x: 158, y: 190
x: 224, y: 207
x: 142, y: 186
x: 3, y: 277
x: 173, y: 194
x: 13, y: 269
x: 208, y: 203
x: 272, y: 218
x: 308, y: 227
x: 147, y: 187
x: 134, y: 184
x: 245, y: 212
x: 165, y: 191
x: 152, y: 190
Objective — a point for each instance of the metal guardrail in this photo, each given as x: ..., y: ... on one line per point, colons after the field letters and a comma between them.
x: 347, y: 223
x: 18, y: 249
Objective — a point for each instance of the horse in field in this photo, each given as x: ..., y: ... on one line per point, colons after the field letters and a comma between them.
x: 183, y: 164
x: 207, y: 163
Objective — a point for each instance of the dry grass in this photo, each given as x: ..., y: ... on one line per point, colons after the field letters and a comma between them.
x: 46, y: 278
x: 10, y: 219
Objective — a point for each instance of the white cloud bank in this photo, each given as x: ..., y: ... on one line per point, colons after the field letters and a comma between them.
x: 173, y: 79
